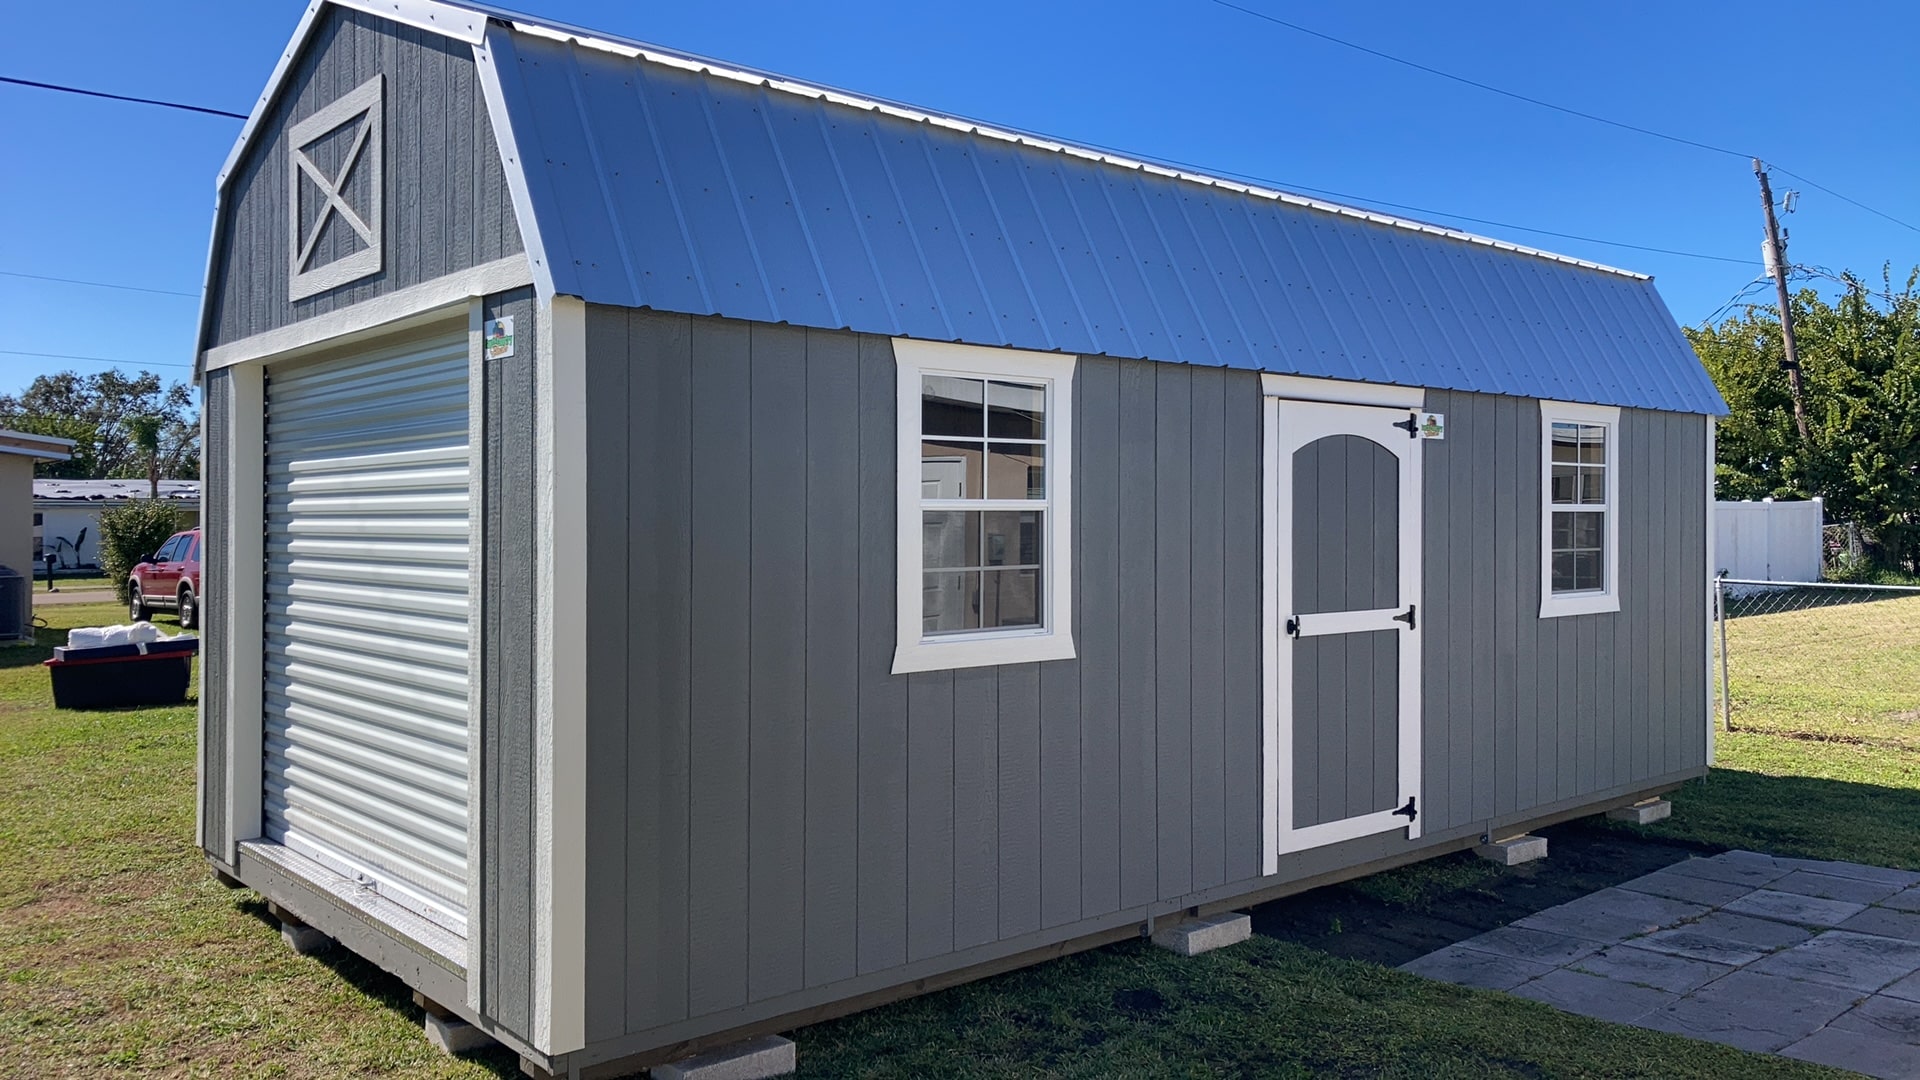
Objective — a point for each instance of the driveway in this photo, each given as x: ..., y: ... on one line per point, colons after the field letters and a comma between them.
x: 1812, y: 960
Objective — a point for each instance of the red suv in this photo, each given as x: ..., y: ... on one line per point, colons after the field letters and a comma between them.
x: 170, y: 581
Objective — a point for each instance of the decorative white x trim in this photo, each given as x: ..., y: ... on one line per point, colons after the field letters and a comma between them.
x: 363, y: 104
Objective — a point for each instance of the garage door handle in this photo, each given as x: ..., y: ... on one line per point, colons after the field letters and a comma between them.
x: 1406, y: 616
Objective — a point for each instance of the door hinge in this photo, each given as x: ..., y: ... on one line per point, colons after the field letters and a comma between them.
x: 1293, y: 626
x: 1411, y: 424
x: 1408, y: 811
x: 1406, y: 616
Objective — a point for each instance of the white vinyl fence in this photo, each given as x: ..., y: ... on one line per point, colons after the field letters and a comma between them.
x: 1768, y: 540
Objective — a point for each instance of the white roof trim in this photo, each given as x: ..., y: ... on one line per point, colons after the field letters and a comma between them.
x: 637, y: 50
x: 38, y: 447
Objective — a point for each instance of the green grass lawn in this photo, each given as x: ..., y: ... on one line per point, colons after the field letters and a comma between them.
x: 119, y: 955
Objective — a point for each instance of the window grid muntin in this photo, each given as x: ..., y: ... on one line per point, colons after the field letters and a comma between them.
x: 1579, y: 464
x: 1040, y: 506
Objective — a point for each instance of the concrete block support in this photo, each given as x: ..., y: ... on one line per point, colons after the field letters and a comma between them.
x: 452, y: 1035
x: 1191, y: 937
x: 1644, y: 812
x: 299, y: 937
x: 1513, y: 850
x: 749, y: 1059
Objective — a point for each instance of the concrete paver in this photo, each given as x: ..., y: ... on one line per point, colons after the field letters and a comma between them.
x: 1726, y: 938
x: 1834, y: 887
x: 1662, y: 971
x: 1811, y: 960
x: 1595, y: 995
x: 1613, y: 914
x: 1858, y: 1053
x: 1794, y: 908
x: 1864, y: 962
x: 1697, y: 890
x: 1886, y: 922
x: 1753, y: 1011
x: 1471, y: 967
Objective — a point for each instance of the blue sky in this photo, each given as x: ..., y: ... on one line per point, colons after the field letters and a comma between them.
x: 121, y: 193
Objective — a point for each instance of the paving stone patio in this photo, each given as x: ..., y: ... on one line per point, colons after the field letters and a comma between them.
x: 1812, y: 960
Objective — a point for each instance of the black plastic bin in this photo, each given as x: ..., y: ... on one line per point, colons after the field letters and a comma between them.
x: 152, y: 673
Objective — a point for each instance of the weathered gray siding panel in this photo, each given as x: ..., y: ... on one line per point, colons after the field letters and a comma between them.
x: 722, y: 526
x: 1241, y: 696
x: 777, y: 672
x: 1207, y: 490
x: 1172, y: 531
x: 1556, y: 708
x: 507, y: 648
x: 1138, y: 693
x: 216, y: 518
x: 1097, y: 516
x: 445, y: 198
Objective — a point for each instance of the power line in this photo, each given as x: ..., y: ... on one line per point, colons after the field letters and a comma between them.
x: 1734, y: 300
x: 95, y: 359
x: 99, y: 284
x: 1594, y: 117
x: 121, y: 97
x: 1843, y: 198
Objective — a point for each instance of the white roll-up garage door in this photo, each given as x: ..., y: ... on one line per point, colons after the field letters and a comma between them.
x: 367, y: 639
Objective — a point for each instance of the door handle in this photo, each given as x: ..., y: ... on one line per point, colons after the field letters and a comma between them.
x: 1293, y: 626
x: 1406, y: 616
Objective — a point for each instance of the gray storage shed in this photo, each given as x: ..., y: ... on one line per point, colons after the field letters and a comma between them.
x: 692, y: 552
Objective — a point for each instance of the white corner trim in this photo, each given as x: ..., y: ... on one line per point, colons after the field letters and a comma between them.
x: 425, y: 302
x: 1342, y: 392
x: 913, y: 651
x: 477, y: 555
x: 1713, y: 684
x: 1559, y: 605
x: 507, y: 140
x: 560, y: 727
x: 245, y: 560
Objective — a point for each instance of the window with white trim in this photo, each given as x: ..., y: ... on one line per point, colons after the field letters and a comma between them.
x: 1580, y: 510
x: 985, y: 490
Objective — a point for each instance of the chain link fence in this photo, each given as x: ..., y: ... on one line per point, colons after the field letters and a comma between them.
x: 1817, y: 659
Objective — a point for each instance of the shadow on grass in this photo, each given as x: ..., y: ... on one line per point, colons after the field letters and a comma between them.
x: 383, y: 989
x: 1801, y: 816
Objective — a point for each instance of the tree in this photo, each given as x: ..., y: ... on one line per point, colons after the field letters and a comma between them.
x: 1860, y: 369
x: 104, y: 414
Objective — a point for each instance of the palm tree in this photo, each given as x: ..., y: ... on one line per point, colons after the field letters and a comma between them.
x: 145, y: 434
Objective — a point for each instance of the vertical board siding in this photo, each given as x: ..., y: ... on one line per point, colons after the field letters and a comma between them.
x: 787, y: 814
x: 507, y: 651
x: 445, y: 198
x: 784, y: 812
x: 1521, y: 711
x: 216, y: 833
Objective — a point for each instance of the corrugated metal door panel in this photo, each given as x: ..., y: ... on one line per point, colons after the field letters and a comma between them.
x: 368, y: 652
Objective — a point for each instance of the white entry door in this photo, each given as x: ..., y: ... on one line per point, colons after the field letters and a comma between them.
x: 1343, y: 624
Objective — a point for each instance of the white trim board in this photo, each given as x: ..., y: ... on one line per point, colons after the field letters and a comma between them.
x: 429, y: 301
x: 1342, y: 392
x: 1291, y: 425
x: 913, y: 650
x: 507, y: 141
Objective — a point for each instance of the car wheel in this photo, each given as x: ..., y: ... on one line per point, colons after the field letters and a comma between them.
x: 189, y: 610
x: 136, y: 607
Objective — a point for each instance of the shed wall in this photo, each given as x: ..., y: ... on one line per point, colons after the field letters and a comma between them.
x: 505, y: 915
x: 775, y: 819
x: 216, y: 393
x: 445, y: 202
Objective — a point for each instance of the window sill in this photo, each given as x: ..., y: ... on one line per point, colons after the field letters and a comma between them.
x: 1555, y: 607
x: 970, y: 652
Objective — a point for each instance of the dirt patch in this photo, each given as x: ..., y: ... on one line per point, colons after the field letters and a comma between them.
x: 1434, y: 904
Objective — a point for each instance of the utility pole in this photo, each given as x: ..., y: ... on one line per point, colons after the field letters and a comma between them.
x: 1776, y: 261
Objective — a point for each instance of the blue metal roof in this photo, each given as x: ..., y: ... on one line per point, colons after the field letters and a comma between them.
x: 660, y: 185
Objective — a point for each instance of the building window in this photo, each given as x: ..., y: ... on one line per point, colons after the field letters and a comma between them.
x: 1580, y: 519
x: 985, y: 494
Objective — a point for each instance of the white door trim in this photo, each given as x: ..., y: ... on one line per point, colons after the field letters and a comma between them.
x: 1289, y: 426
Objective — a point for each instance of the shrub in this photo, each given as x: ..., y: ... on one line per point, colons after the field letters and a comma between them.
x: 131, y: 533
